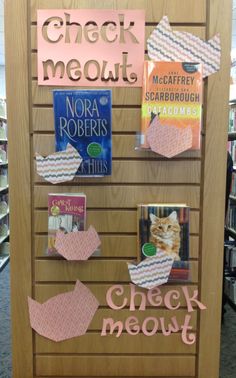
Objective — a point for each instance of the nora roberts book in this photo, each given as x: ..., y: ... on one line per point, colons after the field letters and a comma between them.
x: 66, y: 212
x: 83, y: 119
x: 165, y: 227
x: 172, y: 90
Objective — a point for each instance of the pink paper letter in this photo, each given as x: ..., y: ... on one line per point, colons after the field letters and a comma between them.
x: 109, y: 322
x: 155, y: 328
x: 119, y: 290
x: 191, y: 338
x: 132, y: 325
x: 192, y: 299
x: 154, y: 297
x: 167, y: 299
x: 174, y: 327
x: 134, y: 294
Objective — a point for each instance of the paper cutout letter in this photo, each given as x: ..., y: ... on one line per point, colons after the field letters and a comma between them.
x: 78, y: 245
x: 167, y: 45
x: 153, y: 271
x: 168, y: 140
x: 60, y: 166
x: 64, y: 316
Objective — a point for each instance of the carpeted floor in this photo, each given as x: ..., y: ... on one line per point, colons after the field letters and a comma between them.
x: 228, y: 336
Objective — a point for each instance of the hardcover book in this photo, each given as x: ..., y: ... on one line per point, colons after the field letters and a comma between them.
x: 83, y: 119
x: 66, y: 212
x: 172, y: 90
x: 165, y: 227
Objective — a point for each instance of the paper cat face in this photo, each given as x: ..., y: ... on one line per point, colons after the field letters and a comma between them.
x: 165, y: 228
x: 167, y: 45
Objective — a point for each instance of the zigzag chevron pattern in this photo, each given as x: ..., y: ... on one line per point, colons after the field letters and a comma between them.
x: 60, y: 166
x: 153, y: 271
x: 167, y: 45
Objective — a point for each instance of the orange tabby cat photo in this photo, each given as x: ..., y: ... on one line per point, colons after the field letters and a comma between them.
x: 165, y: 234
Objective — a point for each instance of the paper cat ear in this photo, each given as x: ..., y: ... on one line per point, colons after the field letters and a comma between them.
x: 153, y: 218
x: 165, y: 44
x: 173, y: 216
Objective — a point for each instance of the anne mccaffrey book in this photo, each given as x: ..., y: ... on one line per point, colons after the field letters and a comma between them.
x: 172, y: 90
x: 165, y: 227
x: 66, y: 212
x: 83, y: 119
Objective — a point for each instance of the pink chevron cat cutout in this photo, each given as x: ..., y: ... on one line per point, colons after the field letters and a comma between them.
x: 64, y: 316
x: 78, y: 245
x: 167, y: 140
x: 175, y: 46
x: 60, y: 166
x: 153, y: 271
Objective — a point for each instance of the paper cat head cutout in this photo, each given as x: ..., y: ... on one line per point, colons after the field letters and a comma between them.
x: 168, y: 140
x: 78, y: 245
x: 153, y: 271
x: 60, y: 166
x: 167, y: 45
x: 64, y: 316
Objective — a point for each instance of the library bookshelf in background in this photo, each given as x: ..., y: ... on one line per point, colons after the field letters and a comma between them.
x: 230, y: 228
x: 4, y: 203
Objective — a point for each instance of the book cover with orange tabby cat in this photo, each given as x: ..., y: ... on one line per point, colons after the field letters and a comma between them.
x: 172, y: 90
x: 165, y: 228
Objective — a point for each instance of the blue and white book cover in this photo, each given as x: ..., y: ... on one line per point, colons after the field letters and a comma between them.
x: 83, y: 119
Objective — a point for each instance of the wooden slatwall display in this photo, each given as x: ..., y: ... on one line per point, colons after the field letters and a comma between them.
x: 195, y: 178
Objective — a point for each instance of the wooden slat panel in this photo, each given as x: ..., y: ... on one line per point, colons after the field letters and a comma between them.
x: 177, y: 10
x: 45, y: 291
x: 110, y: 221
x: 162, y: 366
x: 122, y: 119
x: 199, y: 31
x: 123, y: 196
x: 122, y: 145
x: 187, y: 172
x: 112, y: 245
x: 75, y: 346
x: 97, y: 270
x: 42, y: 95
x: 94, y: 343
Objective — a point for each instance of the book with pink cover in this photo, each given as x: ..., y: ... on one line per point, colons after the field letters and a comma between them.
x: 66, y: 212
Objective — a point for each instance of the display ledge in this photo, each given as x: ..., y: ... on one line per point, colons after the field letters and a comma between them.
x: 3, y: 140
x: 233, y: 198
x: 4, y: 215
x: 232, y: 135
x: 3, y: 118
x: 4, y: 188
x: 231, y: 232
x: 3, y: 238
x: 4, y: 261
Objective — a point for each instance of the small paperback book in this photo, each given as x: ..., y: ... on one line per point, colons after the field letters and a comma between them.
x: 165, y: 227
x: 83, y: 119
x: 173, y: 91
x: 66, y: 212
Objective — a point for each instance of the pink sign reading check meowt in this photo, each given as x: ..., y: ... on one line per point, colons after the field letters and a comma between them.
x: 90, y: 47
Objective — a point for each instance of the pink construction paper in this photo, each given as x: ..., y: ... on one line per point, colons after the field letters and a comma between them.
x: 64, y: 316
x: 123, y: 48
x: 153, y: 271
x: 168, y: 140
x: 78, y: 245
x: 60, y: 166
x: 167, y: 45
